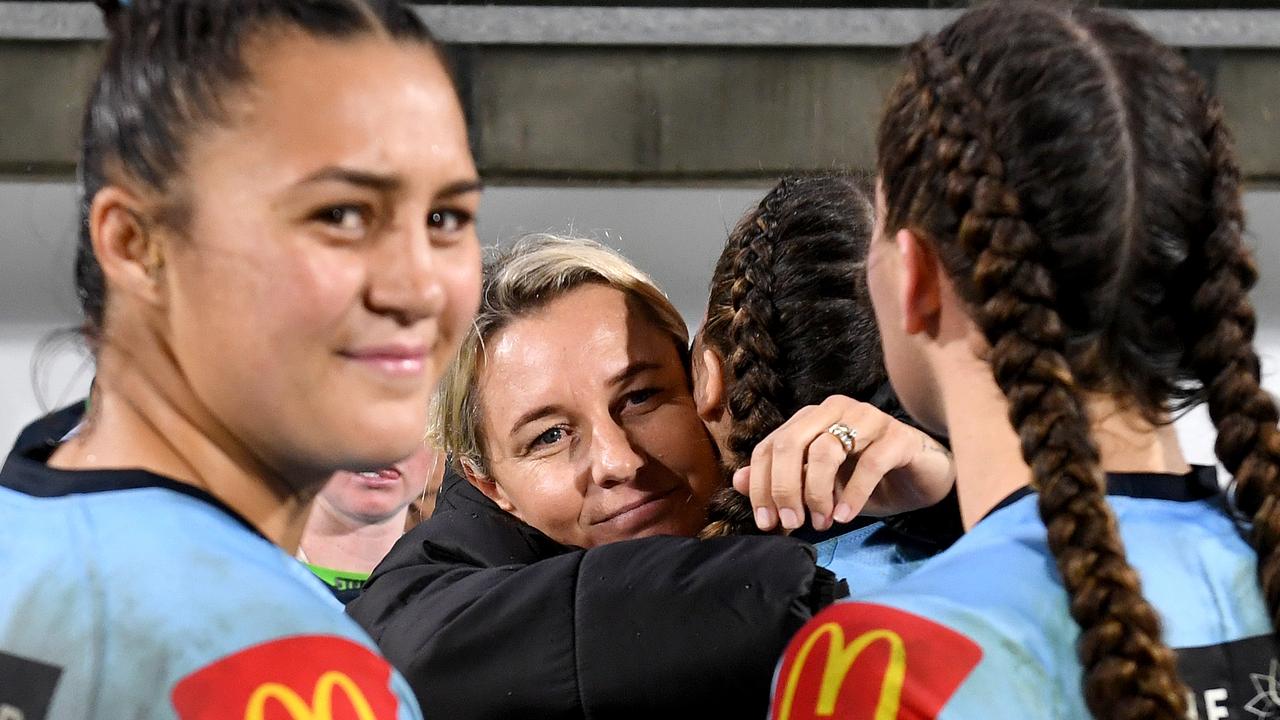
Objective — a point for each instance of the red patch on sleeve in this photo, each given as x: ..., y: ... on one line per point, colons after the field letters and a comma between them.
x: 858, y: 660
x: 306, y: 677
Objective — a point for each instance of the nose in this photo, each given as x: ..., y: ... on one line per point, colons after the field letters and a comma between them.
x: 404, y: 278
x: 614, y: 460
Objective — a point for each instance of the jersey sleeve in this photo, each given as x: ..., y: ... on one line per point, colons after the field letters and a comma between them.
x: 867, y: 660
x: 293, y: 678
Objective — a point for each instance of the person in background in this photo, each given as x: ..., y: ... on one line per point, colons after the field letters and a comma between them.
x: 357, y: 517
x: 788, y: 350
x: 1058, y: 269
x: 587, y: 471
x: 276, y: 261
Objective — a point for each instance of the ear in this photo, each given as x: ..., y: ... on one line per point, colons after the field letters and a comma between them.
x: 130, y: 255
x: 921, y: 283
x: 488, y: 486
x: 708, y: 385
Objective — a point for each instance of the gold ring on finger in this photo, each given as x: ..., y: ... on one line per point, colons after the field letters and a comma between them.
x: 845, y: 434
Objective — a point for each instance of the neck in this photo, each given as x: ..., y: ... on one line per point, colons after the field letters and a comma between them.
x: 341, y: 542
x: 151, y: 421
x: 988, y: 454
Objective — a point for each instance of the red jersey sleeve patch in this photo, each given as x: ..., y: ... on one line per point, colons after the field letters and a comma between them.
x: 858, y: 660
x: 305, y: 677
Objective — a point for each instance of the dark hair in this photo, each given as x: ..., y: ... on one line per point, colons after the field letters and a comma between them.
x: 1038, y: 147
x: 790, y: 314
x: 168, y: 66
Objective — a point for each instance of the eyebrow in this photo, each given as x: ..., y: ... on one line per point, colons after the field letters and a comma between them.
x: 361, y: 178
x: 633, y: 370
x: 535, y: 414
x: 384, y: 183
x: 461, y: 187
x: 621, y: 377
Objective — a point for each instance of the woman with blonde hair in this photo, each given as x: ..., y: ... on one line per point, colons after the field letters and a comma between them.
x: 565, y: 581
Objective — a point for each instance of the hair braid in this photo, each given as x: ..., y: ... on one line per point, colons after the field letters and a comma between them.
x: 1128, y: 671
x: 1219, y: 340
x: 752, y: 362
x: 752, y: 378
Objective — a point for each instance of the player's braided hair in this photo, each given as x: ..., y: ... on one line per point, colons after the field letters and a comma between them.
x: 789, y: 314
x: 1049, y: 155
x: 166, y: 73
x: 1219, y: 329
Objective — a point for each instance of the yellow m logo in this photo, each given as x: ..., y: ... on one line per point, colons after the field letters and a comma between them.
x: 840, y: 659
x: 321, y: 705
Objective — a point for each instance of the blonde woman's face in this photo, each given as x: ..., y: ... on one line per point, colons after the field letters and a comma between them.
x: 590, y: 428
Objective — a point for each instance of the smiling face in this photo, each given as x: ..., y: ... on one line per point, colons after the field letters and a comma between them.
x: 329, y: 265
x: 590, y: 431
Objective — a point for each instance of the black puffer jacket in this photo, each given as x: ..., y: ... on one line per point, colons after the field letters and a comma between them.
x: 489, y: 618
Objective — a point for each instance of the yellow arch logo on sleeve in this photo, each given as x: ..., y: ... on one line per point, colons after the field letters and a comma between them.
x: 839, y: 660
x: 321, y: 705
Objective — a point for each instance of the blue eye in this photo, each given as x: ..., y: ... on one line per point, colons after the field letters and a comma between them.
x: 550, y: 437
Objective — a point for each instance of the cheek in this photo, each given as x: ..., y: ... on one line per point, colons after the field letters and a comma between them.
x: 461, y: 281
x: 276, y: 299
x: 677, y: 439
x: 548, y: 498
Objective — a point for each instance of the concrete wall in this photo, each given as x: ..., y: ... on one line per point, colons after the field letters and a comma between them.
x: 633, y: 113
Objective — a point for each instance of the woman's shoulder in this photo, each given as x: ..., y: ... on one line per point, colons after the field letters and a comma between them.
x: 157, y: 595
x: 927, y: 659
x: 467, y: 528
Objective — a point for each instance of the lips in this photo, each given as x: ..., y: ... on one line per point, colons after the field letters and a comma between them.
x: 394, y: 360
x: 635, y: 509
x: 387, y: 477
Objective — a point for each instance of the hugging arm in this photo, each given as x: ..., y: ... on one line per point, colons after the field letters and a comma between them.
x: 487, y: 618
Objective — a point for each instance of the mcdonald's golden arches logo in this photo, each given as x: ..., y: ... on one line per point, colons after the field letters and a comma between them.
x: 839, y: 660
x: 859, y: 660
x: 321, y: 705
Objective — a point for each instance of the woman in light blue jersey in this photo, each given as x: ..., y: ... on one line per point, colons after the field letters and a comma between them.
x: 789, y: 348
x: 1057, y: 271
x: 277, y: 258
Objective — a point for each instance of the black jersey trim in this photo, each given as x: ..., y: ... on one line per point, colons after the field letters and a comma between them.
x: 49, y: 430
x: 27, y: 471
x: 1201, y: 483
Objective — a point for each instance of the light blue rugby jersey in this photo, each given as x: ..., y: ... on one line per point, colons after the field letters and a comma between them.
x: 983, y: 631
x: 127, y: 595
x: 870, y: 557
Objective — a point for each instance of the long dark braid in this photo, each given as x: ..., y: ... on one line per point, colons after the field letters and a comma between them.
x: 751, y: 378
x: 1219, y: 327
x: 944, y: 178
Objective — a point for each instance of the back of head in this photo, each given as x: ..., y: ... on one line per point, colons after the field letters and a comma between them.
x: 168, y: 68
x: 789, y: 314
x: 788, y: 309
x: 518, y: 281
x: 1078, y: 184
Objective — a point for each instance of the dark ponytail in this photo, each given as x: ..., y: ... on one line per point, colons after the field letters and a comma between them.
x: 168, y: 68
